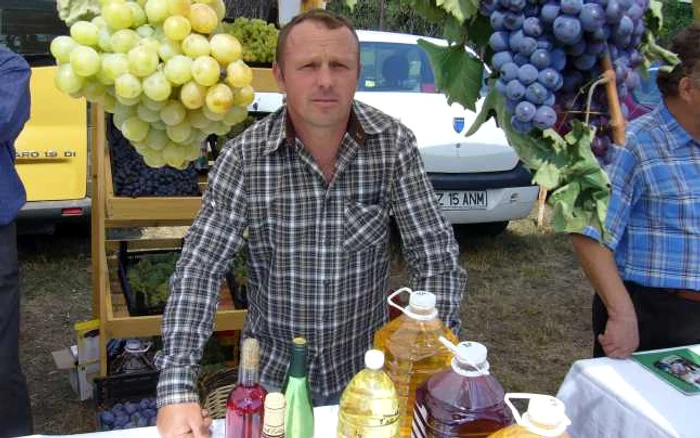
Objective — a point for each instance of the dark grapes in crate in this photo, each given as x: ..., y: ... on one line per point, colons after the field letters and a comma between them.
x: 133, y: 178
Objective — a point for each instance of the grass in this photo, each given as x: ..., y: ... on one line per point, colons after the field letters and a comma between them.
x: 528, y: 302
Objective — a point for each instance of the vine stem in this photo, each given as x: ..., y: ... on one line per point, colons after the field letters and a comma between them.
x: 617, y: 120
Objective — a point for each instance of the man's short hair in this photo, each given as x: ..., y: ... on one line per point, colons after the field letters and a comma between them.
x: 686, y: 44
x: 329, y: 19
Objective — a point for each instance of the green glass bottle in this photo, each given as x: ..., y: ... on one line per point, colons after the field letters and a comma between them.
x: 299, y: 416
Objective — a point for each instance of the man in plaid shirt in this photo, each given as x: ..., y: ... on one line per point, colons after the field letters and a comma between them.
x: 314, y: 184
x: 648, y: 291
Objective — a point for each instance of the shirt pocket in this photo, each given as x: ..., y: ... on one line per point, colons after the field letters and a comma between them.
x: 366, y: 225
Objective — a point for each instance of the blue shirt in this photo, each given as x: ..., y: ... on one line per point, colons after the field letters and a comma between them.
x: 14, y: 112
x: 654, y: 213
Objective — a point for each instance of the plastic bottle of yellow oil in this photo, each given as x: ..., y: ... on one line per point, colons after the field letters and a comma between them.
x: 545, y: 417
x: 412, y: 349
x: 369, y: 405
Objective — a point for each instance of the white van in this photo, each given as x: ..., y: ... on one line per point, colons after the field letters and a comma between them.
x: 478, y: 179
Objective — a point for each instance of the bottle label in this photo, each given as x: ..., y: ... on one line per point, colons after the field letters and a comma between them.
x: 419, y: 427
x: 272, y: 431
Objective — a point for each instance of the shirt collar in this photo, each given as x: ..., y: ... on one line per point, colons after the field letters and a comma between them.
x: 360, y: 125
x: 680, y: 135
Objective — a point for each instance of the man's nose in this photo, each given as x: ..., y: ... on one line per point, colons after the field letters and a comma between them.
x: 324, y: 76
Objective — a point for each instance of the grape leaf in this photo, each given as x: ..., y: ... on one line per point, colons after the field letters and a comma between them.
x: 351, y: 4
x: 71, y: 11
x: 653, y: 17
x: 457, y: 73
x: 428, y: 10
x: 460, y: 9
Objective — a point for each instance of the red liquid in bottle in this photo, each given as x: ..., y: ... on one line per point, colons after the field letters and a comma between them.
x: 461, y: 402
x: 245, y: 406
x: 244, y: 411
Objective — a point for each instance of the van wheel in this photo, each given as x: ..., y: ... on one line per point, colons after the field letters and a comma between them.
x: 493, y: 228
x: 465, y: 232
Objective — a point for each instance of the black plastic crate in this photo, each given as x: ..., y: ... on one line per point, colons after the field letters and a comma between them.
x: 122, y: 389
x: 136, y: 302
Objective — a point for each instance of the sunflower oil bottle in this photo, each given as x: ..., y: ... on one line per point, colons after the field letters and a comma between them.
x: 369, y: 404
x: 412, y: 350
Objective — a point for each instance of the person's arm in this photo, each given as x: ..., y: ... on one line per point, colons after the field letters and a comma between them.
x: 621, y: 336
x: 14, y: 96
x: 211, y: 242
x: 429, y: 245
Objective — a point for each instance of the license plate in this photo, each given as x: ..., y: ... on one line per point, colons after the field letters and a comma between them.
x: 462, y: 200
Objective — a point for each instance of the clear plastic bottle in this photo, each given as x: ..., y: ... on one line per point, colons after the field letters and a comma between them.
x: 545, y: 417
x: 412, y: 350
x: 462, y: 401
x: 369, y: 404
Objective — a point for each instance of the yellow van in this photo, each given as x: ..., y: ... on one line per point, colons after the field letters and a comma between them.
x: 52, y: 151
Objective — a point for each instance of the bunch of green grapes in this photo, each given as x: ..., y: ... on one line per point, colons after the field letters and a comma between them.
x: 157, y: 66
x: 258, y: 38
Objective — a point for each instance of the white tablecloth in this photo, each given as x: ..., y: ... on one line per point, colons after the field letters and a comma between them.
x: 325, y: 423
x: 620, y: 398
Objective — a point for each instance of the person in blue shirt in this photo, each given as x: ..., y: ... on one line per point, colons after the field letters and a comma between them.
x: 646, y: 272
x: 15, y: 419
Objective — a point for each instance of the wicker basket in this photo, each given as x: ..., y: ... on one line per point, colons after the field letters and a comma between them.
x: 214, y: 389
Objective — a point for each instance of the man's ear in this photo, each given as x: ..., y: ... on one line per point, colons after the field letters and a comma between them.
x: 279, y: 77
x: 685, y: 86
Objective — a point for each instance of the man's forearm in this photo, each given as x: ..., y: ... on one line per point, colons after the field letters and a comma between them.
x: 599, y: 265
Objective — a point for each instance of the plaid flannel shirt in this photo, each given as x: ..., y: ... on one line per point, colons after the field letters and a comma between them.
x: 654, y: 212
x: 318, y: 252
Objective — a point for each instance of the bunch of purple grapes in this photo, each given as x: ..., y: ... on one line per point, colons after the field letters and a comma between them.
x: 546, y: 52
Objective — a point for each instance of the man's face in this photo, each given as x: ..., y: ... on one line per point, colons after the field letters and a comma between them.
x: 320, y: 73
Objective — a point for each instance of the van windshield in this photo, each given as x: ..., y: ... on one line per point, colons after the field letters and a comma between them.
x: 27, y: 28
x: 395, y: 67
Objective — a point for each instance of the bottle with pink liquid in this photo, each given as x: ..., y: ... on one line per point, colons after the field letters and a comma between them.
x: 245, y: 405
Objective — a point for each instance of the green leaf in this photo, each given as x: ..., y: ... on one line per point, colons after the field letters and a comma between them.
x: 489, y: 108
x: 479, y: 33
x: 457, y: 73
x: 351, y: 4
x: 654, y: 17
x: 460, y: 9
x: 454, y: 32
x: 548, y: 176
x: 71, y: 11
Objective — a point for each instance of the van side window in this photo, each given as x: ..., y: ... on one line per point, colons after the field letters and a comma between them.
x: 395, y: 67
x: 28, y: 27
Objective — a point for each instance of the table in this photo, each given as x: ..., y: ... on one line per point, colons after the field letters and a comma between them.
x: 325, y: 423
x: 619, y: 398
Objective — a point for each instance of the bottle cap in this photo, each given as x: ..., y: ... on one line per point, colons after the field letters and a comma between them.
x: 422, y: 300
x: 133, y: 346
x: 472, y: 354
x: 374, y: 359
x: 274, y: 401
x: 546, y: 411
x: 250, y: 354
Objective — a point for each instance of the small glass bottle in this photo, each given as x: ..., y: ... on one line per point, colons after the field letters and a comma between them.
x: 134, y: 358
x: 273, y: 426
x: 244, y: 407
x: 299, y: 414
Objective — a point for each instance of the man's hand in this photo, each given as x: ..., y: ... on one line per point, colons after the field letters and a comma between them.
x: 621, y: 337
x: 183, y: 420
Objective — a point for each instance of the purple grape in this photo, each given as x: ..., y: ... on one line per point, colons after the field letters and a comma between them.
x: 527, y: 74
x: 549, y: 13
x: 501, y: 58
x: 486, y: 7
x: 540, y: 59
x: 625, y: 27
x: 525, y: 111
x: 521, y: 59
x: 592, y: 17
x: 625, y: 110
x: 504, y: 3
x: 598, y: 147
x: 499, y: 41
x: 515, y: 39
x: 549, y: 78
x: 622, y: 41
x: 510, y: 105
x: 635, y: 12
x: 144, y: 404
x: 625, y: 4
x: 577, y: 49
x: 501, y: 87
x: 536, y: 93
x: 572, y: 7
x: 130, y: 408
x: 639, y: 28
x: 527, y: 46
x: 107, y: 418
x: 515, y: 90
x: 517, y: 5
x: 613, y: 51
x: 509, y: 71
x: 545, y: 117
x: 558, y: 59
x: 550, y: 100
x: 572, y: 80
x: 496, y: 19
x: 632, y: 81
x: 613, y: 12
x: 532, y: 9
x: 602, y: 3
x: 532, y: 27
x: 635, y: 59
x: 567, y: 29
x: 520, y: 127
x: 595, y: 49
x: 585, y: 62
x: 622, y: 90
x: 513, y: 20
x: 545, y: 42
x: 152, y: 421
